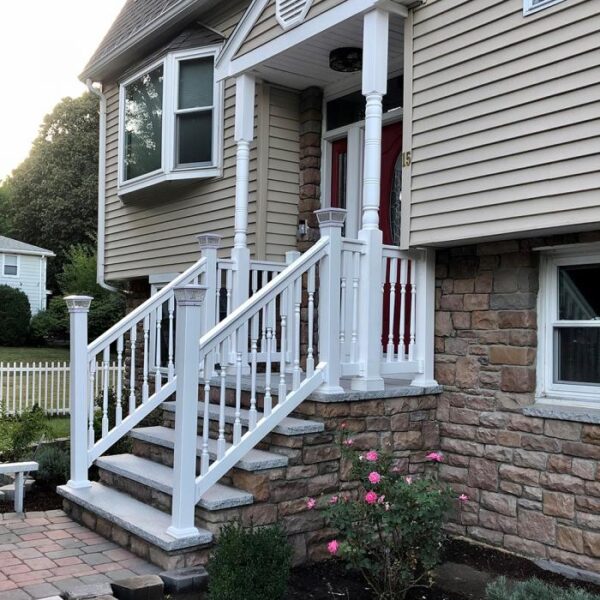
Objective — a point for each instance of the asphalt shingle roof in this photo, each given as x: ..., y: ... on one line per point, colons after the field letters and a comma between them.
x: 9, y: 245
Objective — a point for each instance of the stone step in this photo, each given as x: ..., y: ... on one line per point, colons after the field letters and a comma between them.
x: 255, y: 460
x: 139, y: 519
x: 288, y: 426
x: 160, y: 477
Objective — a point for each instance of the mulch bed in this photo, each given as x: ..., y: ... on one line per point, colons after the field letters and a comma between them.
x: 37, y: 498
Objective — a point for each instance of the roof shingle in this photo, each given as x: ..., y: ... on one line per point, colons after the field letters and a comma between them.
x: 10, y: 245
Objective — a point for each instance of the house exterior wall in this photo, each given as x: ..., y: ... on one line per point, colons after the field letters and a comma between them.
x: 159, y: 236
x: 505, y: 130
x: 31, y: 279
x: 534, y: 483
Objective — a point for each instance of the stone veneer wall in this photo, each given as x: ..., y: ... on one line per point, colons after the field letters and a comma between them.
x: 534, y: 482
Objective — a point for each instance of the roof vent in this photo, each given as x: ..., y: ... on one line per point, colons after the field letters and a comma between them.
x: 291, y: 12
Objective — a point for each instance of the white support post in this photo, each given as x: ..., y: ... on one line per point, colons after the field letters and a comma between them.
x: 79, y: 307
x: 374, y: 87
x: 424, y: 282
x: 331, y: 221
x: 209, y: 244
x: 19, y: 491
x: 189, y: 300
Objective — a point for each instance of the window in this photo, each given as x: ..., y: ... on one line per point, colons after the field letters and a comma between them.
x: 170, y: 121
x: 570, y: 325
x: 530, y: 6
x: 10, y: 265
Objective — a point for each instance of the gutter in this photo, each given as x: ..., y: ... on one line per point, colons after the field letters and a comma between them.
x: 101, y: 187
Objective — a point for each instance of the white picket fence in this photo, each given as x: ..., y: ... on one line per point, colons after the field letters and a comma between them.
x: 43, y: 383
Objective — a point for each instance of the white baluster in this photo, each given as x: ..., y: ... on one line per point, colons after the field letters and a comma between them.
x: 393, y: 274
x: 237, y: 424
x: 105, y: 364
x: 21, y: 387
x: 413, y: 310
x: 355, y: 307
x: 253, y: 416
x: 170, y: 363
x: 145, y: 390
x: 92, y: 402
x: 132, y: 344
x: 403, y: 278
x: 35, y: 400
x: 268, y: 401
x: 204, y: 461
x: 310, y: 359
x: 343, y: 306
x: 119, y: 386
x: 157, y: 357
x: 221, y: 439
x: 283, y: 303
x: 228, y: 288
x: 297, y: 290
x: 27, y: 386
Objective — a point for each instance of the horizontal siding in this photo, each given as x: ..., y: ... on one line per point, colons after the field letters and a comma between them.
x: 28, y: 280
x: 267, y: 28
x: 506, y: 129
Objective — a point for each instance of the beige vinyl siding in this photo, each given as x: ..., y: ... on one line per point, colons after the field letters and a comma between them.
x: 267, y: 28
x: 158, y: 234
x: 505, y: 122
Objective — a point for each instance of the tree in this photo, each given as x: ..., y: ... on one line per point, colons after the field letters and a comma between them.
x: 51, y: 195
x: 15, y: 315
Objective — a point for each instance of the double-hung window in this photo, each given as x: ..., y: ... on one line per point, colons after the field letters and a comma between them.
x: 10, y: 265
x: 530, y: 6
x: 170, y: 121
x: 569, y: 348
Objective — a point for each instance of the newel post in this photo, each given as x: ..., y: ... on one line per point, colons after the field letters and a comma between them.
x: 331, y: 221
x: 189, y: 300
x: 79, y: 307
x: 209, y: 244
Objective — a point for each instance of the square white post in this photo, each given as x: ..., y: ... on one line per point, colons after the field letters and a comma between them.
x: 79, y: 307
x: 189, y: 300
x: 374, y: 87
x: 209, y: 244
x: 425, y: 317
x: 331, y: 221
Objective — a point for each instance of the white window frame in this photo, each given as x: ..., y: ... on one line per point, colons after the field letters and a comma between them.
x: 548, y: 391
x: 169, y: 170
x: 529, y: 7
x: 4, y: 273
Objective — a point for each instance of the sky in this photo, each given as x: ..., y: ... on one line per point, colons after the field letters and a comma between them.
x: 44, y: 45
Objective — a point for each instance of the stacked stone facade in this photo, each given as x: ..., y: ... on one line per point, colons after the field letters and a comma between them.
x: 534, y: 482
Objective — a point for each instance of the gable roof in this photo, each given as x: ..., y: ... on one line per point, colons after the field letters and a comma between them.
x: 140, y: 25
x: 9, y: 245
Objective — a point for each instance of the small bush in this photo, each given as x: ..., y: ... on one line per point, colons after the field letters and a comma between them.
x: 251, y: 563
x: 52, y: 324
x: 15, y: 316
x: 534, y: 589
x: 54, y: 464
x: 19, y: 434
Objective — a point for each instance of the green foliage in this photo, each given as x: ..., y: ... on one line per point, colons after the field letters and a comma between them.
x: 534, y: 589
x: 390, y: 528
x: 19, y: 434
x: 255, y: 560
x: 54, y: 464
x: 15, y: 315
x: 50, y: 198
x: 51, y: 324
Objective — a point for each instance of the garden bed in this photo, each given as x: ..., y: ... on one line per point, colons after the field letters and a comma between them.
x: 38, y: 498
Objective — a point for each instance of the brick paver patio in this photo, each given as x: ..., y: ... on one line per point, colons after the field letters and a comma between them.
x: 45, y: 553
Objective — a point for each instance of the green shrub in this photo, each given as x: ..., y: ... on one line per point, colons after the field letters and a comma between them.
x: 19, y: 434
x: 54, y: 464
x: 251, y: 563
x: 534, y: 589
x: 15, y: 316
x: 52, y: 324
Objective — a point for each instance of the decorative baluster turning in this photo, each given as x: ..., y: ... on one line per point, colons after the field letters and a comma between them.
x: 237, y: 423
x: 343, y: 281
x: 402, y: 340
x: 146, y: 357
x: 283, y: 324
x: 92, y: 403
x: 253, y: 415
x: 170, y: 363
x: 297, y: 291
x: 393, y: 274
x: 132, y: 344
x: 158, y: 350
x: 310, y: 358
x: 268, y: 401
x: 204, y: 461
x: 119, y: 385
x: 221, y: 440
x: 105, y: 374
x: 355, y: 307
x: 413, y: 310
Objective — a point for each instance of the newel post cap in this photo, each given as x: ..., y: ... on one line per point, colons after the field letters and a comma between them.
x: 190, y: 295
x: 78, y: 303
x: 208, y: 241
x: 331, y: 217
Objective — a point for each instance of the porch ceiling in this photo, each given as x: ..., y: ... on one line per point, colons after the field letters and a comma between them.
x: 307, y: 64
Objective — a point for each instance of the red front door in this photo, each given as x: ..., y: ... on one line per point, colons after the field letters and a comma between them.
x: 389, y: 202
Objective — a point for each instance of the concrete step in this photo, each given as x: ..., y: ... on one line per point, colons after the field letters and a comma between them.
x: 255, y: 460
x: 289, y: 425
x: 139, y: 519
x: 160, y: 477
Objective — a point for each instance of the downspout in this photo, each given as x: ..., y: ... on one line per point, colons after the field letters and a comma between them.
x: 101, y: 187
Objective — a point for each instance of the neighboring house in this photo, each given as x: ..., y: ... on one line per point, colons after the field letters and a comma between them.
x: 23, y: 266
x: 458, y: 144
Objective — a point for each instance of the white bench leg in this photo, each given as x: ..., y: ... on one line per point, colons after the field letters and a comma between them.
x: 19, y: 491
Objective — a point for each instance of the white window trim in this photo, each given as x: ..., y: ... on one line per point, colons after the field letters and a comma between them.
x: 169, y: 171
x: 548, y: 391
x: 529, y: 7
x: 4, y: 266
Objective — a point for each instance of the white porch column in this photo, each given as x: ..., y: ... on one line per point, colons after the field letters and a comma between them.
x: 374, y: 87
x: 425, y: 317
x: 187, y: 349
x: 79, y: 307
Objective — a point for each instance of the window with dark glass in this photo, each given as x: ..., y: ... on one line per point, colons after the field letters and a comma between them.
x: 11, y: 265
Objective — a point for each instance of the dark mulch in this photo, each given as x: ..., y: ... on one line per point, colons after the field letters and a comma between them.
x: 40, y: 497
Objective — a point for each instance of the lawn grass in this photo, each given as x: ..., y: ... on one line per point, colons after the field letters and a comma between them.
x: 60, y: 426
x: 30, y: 355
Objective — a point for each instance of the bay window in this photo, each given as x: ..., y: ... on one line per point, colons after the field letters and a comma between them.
x: 170, y: 121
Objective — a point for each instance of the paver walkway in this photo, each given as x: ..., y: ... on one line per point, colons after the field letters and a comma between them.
x: 45, y: 553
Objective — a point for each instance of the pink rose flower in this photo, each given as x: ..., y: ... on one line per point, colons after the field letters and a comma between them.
x: 333, y: 500
x: 348, y: 442
x: 311, y: 503
x: 374, y: 477
x: 372, y: 456
x: 408, y: 480
x: 333, y: 547
x: 435, y: 457
x: 463, y: 498
x: 371, y: 497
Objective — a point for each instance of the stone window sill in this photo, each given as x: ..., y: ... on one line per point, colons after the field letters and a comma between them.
x: 563, y: 413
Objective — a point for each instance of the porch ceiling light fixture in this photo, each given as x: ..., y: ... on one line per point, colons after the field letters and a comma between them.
x: 346, y: 60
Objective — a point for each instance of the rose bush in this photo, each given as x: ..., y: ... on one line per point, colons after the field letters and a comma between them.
x: 391, y: 527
